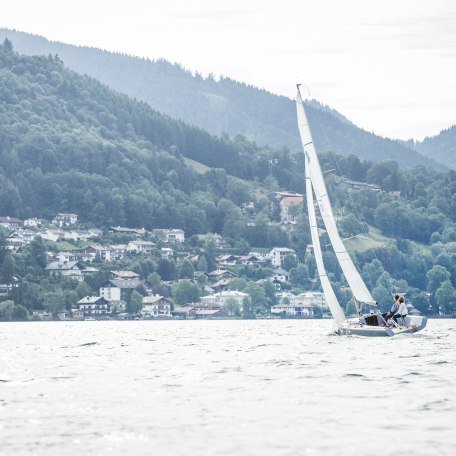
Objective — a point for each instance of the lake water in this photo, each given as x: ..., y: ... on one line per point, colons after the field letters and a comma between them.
x: 270, y: 387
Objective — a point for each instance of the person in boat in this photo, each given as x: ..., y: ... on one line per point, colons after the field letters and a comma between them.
x: 402, y: 311
x: 394, y: 308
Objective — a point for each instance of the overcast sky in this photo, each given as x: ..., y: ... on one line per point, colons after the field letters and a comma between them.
x: 387, y: 65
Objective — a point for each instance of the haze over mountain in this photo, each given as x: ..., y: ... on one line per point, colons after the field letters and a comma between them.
x: 220, y: 106
x: 441, y: 147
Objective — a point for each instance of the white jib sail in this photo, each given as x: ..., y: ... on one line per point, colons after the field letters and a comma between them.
x: 331, y: 299
x: 356, y: 283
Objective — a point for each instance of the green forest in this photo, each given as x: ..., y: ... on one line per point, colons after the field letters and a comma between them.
x: 70, y: 144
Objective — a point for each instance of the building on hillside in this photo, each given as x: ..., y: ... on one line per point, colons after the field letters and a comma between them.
x: 143, y: 247
x: 219, y: 274
x: 293, y: 311
x: 70, y: 269
x: 220, y: 241
x: 78, y: 235
x: 170, y: 236
x: 21, y: 237
x: 129, y: 231
x: 54, y: 235
x: 124, y: 275
x: 287, y: 214
x: 281, y: 275
x: 226, y: 260
x: 64, y: 219
x: 11, y: 222
x: 278, y: 254
x: 166, y: 253
x: 34, y: 222
x: 220, y: 285
x: 94, y: 306
x: 281, y: 203
x: 156, y: 306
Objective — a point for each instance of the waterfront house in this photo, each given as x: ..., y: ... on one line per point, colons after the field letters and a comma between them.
x: 293, y: 310
x: 120, y: 289
x: 92, y: 306
x: 156, y: 306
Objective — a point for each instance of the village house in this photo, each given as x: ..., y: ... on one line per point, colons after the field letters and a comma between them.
x: 129, y: 231
x: 94, y: 306
x: 293, y: 311
x: 166, y: 253
x: 226, y: 260
x: 143, y: 247
x: 156, y: 306
x: 219, y: 299
x: 11, y: 222
x: 193, y: 312
x: 285, y: 205
x: 281, y: 275
x: 34, y: 222
x: 77, y: 314
x: 120, y: 289
x: 87, y: 271
x: 219, y: 274
x: 53, y: 235
x: 74, y: 256
x: 278, y: 254
x: 63, y: 219
x: 220, y: 285
x: 21, y: 237
x: 107, y: 253
x: 170, y: 236
x: 124, y: 275
x: 77, y: 235
x: 71, y: 269
x: 220, y: 242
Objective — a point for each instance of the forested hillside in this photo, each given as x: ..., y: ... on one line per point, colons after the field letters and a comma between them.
x: 223, y: 106
x: 70, y: 144
x: 441, y: 147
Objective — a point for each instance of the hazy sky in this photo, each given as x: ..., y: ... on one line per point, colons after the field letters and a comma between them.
x: 388, y: 65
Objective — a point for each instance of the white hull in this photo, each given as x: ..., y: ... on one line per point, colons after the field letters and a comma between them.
x: 353, y: 327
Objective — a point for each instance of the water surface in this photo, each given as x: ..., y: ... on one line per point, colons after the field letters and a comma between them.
x: 277, y: 387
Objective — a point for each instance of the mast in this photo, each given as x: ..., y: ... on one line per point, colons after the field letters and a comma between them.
x: 354, y: 279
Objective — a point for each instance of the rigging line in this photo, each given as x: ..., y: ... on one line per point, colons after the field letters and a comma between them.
x: 336, y: 163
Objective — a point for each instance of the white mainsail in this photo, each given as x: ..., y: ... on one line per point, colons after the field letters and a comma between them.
x: 313, y: 172
x: 331, y: 299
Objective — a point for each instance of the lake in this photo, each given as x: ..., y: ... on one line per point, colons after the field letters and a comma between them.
x: 266, y: 387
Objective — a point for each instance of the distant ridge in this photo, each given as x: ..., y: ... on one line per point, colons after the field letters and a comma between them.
x: 224, y: 106
x: 441, y: 147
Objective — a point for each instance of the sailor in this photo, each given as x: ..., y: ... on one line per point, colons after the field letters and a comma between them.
x: 394, y: 308
x: 402, y: 311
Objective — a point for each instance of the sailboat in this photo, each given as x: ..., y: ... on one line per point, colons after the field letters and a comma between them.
x: 370, y: 323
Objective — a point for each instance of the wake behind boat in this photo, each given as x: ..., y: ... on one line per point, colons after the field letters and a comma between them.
x: 368, y: 324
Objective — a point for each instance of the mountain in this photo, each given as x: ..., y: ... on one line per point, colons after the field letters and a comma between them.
x: 220, y: 106
x: 69, y: 143
x: 441, y: 147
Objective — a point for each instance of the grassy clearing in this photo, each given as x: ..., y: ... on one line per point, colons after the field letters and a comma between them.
x: 197, y: 166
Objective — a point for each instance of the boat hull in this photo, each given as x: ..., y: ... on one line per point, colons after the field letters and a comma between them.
x: 411, y: 324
